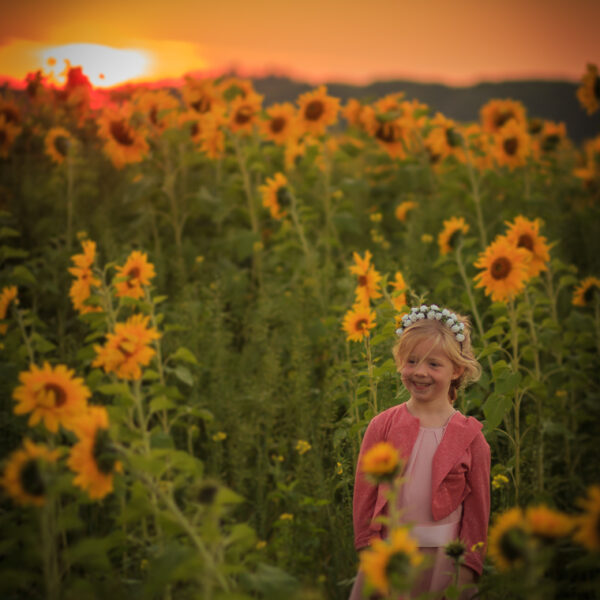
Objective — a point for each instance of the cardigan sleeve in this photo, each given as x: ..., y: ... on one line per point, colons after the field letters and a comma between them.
x: 476, y: 505
x: 365, y: 493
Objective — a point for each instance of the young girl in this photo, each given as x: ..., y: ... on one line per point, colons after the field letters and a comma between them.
x: 446, y: 492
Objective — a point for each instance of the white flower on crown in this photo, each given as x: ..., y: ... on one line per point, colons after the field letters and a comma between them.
x: 433, y: 312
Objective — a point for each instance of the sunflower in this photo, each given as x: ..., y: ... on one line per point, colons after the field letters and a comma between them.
x: 497, y: 113
x: 381, y: 461
x: 352, y: 112
x: 512, y: 145
x: 509, y: 540
x: 444, y: 139
x: 275, y: 195
x: 127, y: 349
x: 588, y: 92
x: 93, y: 458
x: 159, y: 108
x: 316, y: 111
x: 391, y: 135
x: 293, y: 152
x: 123, y: 143
x: 8, y: 133
x: 202, y: 95
x: 57, y: 143
x: 8, y: 295
x: 24, y: 475
x: 231, y: 87
x: 389, y: 565
x: 587, y: 524
x: 51, y: 395
x: 505, y: 269
x: 135, y: 273
x: 477, y: 147
x: 368, y: 278
x: 357, y: 322
x: 524, y: 233
x: 80, y: 289
x: 454, y: 227
x: 586, y: 290
x: 399, y: 286
x: 403, y: 209
x: 549, y: 138
x: 244, y: 112
x: 280, y: 125
x: 548, y: 524
x: 205, y: 130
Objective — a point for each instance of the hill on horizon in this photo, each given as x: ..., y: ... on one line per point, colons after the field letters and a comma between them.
x: 549, y: 100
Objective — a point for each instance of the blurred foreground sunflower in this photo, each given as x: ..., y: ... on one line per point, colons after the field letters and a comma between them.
x: 24, y: 477
x: 93, y: 458
x: 525, y: 233
x: 587, y: 524
x: 509, y: 540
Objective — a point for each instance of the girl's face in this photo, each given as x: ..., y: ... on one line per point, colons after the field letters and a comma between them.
x: 428, y: 372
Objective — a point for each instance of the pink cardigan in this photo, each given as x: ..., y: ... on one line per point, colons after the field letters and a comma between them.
x: 460, y: 473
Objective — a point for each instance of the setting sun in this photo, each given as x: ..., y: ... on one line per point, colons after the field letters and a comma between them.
x: 104, y: 66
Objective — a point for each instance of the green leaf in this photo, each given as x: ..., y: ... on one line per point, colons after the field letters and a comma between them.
x: 161, y: 403
x: 9, y: 232
x: 22, y: 275
x: 184, y: 354
x: 183, y: 374
x: 494, y: 409
x: 507, y: 383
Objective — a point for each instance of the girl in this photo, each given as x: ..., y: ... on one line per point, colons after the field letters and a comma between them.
x: 446, y: 492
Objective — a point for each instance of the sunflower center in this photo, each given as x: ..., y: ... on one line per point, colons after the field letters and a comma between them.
x: 501, y: 268
x: 434, y: 158
x: 513, y: 544
x: 454, y: 237
x: 134, y: 273
x: 277, y: 124
x: 153, y: 115
x: 31, y: 478
x: 207, y: 494
x: 60, y: 396
x: 550, y: 142
x: 387, y: 133
x: 61, y: 145
x: 510, y: 146
x: 195, y: 129
x: 362, y: 280
x: 202, y: 105
x: 525, y: 241
x: 535, y: 126
x: 124, y: 351
x: 588, y: 297
x: 452, y: 137
x: 10, y: 114
x: 397, y: 569
x: 120, y: 131
x: 314, y: 110
x: 502, y: 117
x: 103, y: 453
x: 243, y: 115
x: 283, y: 196
x: 361, y: 324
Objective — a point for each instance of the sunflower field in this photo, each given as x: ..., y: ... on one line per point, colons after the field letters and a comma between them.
x: 198, y: 299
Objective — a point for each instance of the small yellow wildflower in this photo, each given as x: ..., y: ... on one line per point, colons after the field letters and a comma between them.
x: 286, y: 517
x: 303, y: 446
x: 261, y: 544
x: 219, y: 436
x: 499, y: 481
x: 426, y: 238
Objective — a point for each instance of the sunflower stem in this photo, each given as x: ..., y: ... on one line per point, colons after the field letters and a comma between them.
x: 476, y: 195
x: 26, y: 338
x: 372, y: 383
x: 256, y: 256
x: 538, y: 402
x: 517, y: 404
x: 70, y: 198
x: 49, y: 550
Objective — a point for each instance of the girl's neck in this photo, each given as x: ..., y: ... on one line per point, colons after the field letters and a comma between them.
x: 431, y: 416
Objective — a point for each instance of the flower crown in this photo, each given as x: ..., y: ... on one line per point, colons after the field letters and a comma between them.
x: 433, y: 312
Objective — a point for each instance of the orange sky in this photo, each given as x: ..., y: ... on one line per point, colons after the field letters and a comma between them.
x: 453, y: 41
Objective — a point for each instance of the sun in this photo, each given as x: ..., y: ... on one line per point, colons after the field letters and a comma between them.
x: 105, y: 66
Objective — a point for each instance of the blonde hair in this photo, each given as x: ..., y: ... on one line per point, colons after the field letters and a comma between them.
x: 459, y: 353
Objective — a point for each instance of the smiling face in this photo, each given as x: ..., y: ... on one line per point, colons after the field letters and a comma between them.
x: 427, y: 373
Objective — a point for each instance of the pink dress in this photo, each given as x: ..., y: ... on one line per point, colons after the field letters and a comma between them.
x: 414, y: 503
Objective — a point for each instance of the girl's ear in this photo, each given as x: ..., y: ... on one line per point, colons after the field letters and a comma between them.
x: 458, y: 371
